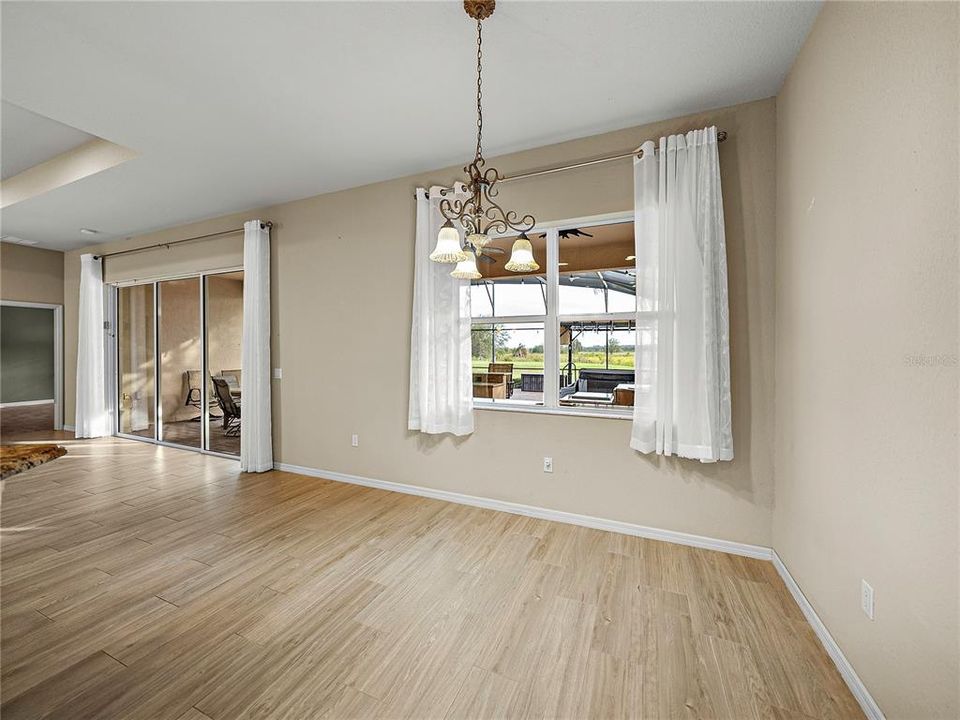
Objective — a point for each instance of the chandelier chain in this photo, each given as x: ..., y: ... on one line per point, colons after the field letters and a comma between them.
x: 479, y: 89
x: 476, y: 209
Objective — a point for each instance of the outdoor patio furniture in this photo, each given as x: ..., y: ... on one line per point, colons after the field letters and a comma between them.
x: 229, y: 407
x: 506, y: 369
x: 233, y: 380
x: 599, y: 380
x: 490, y: 385
x: 194, y: 395
x: 624, y: 394
x: 531, y: 382
x: 584, y: 397
x: 194, y: 391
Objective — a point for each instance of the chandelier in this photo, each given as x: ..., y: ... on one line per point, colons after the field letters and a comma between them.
x: 477, y: 212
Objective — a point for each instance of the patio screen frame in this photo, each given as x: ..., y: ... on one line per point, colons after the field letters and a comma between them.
x: 552, y: 321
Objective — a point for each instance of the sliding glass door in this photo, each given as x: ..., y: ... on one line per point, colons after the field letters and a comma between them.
x: 136, y: 382
x: 223, y: 303
x: 178, y: 353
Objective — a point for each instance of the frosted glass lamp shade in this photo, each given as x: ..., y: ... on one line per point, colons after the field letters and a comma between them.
x: 521, y: 257
x: 478, y: 240
x: 467, y: 269
x: 448, y: 248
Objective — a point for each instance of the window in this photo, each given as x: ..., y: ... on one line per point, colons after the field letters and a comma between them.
x: 508, y: 362
x: 509, y: 325
x: 562, y: 337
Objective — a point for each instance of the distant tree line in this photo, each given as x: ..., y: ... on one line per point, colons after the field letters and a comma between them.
x: 495, y: 339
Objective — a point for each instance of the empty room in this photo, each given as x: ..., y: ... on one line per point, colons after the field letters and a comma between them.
x: 480, y: 360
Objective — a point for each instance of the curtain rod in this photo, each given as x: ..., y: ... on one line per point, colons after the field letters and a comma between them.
x: 176, y: 242
x: 721, y: 136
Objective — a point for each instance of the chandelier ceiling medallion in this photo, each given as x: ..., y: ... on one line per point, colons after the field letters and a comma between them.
x: 477, y: 212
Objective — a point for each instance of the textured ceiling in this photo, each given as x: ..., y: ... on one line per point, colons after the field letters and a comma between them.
x: 237, y: 105
x: 28, y: 139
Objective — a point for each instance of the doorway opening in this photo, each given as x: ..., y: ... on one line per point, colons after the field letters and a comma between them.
x: 31, y: 367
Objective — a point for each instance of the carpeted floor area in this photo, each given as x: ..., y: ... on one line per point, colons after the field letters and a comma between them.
x: 17, y: 458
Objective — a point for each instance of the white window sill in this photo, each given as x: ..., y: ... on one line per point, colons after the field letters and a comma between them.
x: 507, y: 406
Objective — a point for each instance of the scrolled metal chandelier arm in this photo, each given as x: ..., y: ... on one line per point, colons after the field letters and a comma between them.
x: 478, y: 213
x: 501, y: 221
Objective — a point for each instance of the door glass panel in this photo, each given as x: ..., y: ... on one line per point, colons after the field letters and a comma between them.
x: 180, y: 361
x: 224, y: 305
x: 135, y: 340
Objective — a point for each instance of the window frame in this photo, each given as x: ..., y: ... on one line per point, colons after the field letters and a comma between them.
x: 551, y: 327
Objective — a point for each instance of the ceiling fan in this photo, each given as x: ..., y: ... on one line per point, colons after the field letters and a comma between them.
x: 572, y: 232
x: 484, y: 253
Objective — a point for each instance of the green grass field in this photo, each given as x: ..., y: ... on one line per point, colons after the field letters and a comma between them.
x: 533, y: 362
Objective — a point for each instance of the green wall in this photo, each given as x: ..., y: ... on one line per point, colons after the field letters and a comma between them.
x: 26, y: 354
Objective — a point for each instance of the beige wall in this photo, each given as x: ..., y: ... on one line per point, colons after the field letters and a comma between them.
x: 866, y: 466
x: 31, y: 274
x: 342, y: 277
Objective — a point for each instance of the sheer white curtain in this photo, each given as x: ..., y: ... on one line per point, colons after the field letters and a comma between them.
x: 441, y: 379
x: 256, y: 441
x: 682, y: 402
x: 93, y: 417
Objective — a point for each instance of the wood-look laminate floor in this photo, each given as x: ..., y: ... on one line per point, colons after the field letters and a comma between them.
x: 26, y: 418
x: 147, y: 582
x: 187, y: 433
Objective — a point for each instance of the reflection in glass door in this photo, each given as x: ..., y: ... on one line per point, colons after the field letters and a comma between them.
x: 223, y: 306
x: 180, y: 353
x: 136, y: 381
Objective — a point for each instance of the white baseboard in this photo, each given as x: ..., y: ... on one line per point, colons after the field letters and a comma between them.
x: 680, y: 538
x: 70, y: 428
x: 25, y: 403
x: 859, y: 690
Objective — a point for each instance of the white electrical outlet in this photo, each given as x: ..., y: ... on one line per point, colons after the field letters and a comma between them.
x: 355, y: 440
x: 548, y: 464
x: 278, y: 373
x: 866, y: 598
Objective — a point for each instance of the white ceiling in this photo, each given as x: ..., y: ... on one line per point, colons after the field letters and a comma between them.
x: 242, y: 104
x: 28, y: 139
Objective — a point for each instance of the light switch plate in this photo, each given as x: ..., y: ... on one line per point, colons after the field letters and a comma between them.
x: 866, y: 599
